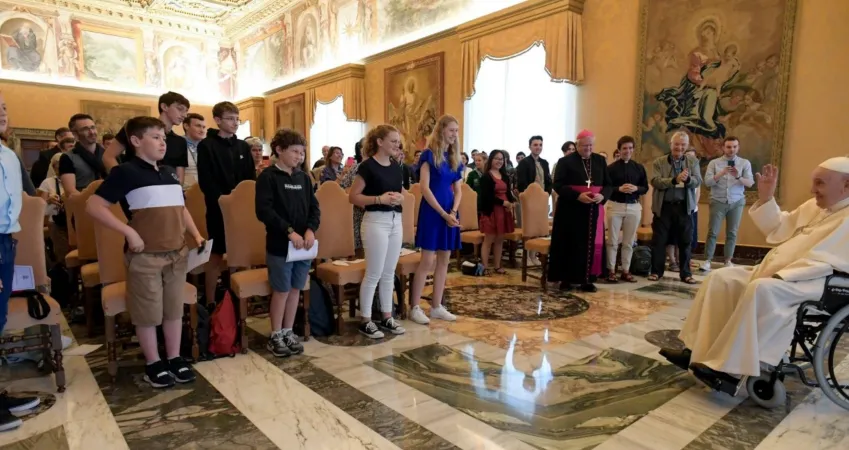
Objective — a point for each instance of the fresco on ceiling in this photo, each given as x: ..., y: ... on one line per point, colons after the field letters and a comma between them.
x: 266, y: 54
x: 400, y: 17
x: 49, y: 46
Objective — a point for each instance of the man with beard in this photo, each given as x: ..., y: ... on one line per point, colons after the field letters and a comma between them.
x: 40, y: 168
x: 83, y: 164
x: 577, y: 238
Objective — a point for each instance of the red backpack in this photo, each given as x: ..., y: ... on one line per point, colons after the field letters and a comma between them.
x: 224, y: 328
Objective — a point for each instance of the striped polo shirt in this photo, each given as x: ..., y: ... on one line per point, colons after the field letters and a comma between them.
x: 152, y: 199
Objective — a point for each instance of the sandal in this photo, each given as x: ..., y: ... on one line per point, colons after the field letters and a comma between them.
x: 628, y: 277
x: 612, y: 278
x: 674, y: 267
x: 689, y: 280
x: 500, y: 271
x: 653, y: 277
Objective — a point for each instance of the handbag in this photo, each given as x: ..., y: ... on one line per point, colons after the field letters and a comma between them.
x: 37, y: 306
x: 60, y: 218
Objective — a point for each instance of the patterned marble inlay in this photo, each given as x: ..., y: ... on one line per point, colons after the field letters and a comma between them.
x: 665, y: 339
x: 513, y: 302
x: 672, y: 288
x: 351, y: 337
x: 46, y: 402
x: 193, y: 415
x: 584, y: 402
x: 53, y: 439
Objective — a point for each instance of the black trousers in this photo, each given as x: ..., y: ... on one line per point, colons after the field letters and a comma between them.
x: 674, y: 224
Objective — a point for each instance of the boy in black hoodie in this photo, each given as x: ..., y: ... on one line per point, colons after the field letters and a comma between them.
x: 286, y: 204
x: 223, y: 162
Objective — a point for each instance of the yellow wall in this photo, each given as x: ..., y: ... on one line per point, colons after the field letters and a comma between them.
x: 49, y: 107
x: 816, y: 126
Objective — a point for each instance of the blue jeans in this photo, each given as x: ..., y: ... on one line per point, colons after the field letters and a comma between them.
x: 732, y: 214
x: 8, y: 246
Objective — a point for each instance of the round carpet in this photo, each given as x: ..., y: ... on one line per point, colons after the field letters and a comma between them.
x: 47, y: 402
x: 513, y: 303
x: 351, y: 337
x: 665, y: 339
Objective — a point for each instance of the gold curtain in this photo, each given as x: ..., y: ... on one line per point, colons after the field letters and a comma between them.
x: 554, y: 23
x: 348, y: 82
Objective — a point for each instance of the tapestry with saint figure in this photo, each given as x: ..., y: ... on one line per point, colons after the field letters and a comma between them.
x: 414, y: 99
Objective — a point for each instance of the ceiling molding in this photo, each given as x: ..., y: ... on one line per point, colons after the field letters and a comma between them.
x: 260, y: 16
x: 516, y: 15
x: 251, y: 102
x: 337, y: 74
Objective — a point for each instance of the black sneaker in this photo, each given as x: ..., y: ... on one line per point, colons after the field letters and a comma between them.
x: 391, y: 325
x: 369, y: 329
x: 588, y: 287
x: 17, y: 404
x: 181, y: 370
x: 292, y: 342
x: 277, y: 346
x: 9, y: 422
x: 158, y: 375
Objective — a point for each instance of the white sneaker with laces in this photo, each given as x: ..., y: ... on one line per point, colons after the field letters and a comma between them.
x: 442, y: 314
x: 729, y: 264
x: 418, y: 316
x: 705, y: 266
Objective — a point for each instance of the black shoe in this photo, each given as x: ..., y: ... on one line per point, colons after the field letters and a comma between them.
x: 369, y: 330
x: 716, y: 380
x: 17, y: 404
x: 680, y: 358
x: 391, y: 325
x: 158, y: 375
x: 564, y: 286
x: 181, y: 370
x: 9, y: 422
x: 292, y: 342
x: 277, y: 346
x: 588, y: 287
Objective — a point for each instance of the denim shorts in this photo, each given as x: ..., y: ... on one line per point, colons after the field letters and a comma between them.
x: 285, y: 276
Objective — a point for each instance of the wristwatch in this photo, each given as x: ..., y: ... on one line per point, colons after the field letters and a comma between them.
x: 290, y: 230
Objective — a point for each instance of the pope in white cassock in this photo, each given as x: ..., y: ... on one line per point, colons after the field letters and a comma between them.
x: 744, y: 316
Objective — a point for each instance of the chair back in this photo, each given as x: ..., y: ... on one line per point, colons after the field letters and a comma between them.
x: 534, y: 203
x: 244, y: 233
x: 110, y: 249
x: 83, y: 223
x: 335, y: 235
x: 30, y: 250
x: 408, y: 218
x: 197, y: 209
x: 416, y: 190
x: 69, y: 219
x: 468, y: 208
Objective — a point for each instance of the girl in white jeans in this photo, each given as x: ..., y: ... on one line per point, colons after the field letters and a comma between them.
x: 378, y: 189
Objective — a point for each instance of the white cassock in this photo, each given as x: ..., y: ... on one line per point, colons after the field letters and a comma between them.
x: 744, y: 316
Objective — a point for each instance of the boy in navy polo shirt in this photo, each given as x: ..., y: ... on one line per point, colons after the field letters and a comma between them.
x: 286, y: 204
x: 152, y: 199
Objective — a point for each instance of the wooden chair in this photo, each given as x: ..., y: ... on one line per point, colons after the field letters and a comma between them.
x: 113, y: 296
x: 86, y: 250
x: 407, y: 265
x: 245, y: 236
x: 534, y: 203
x: 644, y: 232
x: 30, y: 252
x: 336, y: 240
x: 469, y: 229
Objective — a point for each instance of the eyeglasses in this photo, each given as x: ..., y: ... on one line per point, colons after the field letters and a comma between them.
x: 231, y: 119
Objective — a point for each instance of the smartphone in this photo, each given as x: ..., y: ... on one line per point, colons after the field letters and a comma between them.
x: 350, y: 161
x: 731, y: 163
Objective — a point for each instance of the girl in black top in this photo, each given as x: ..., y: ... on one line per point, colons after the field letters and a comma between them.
x: 378, y: 189
x: 495, y: 207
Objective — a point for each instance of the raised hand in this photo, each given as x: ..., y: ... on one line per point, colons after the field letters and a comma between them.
x: 767, y: 180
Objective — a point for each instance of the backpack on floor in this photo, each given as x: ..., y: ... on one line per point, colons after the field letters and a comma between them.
x: 322, y: 320
x: 641, y: 260
x: 61, y: 287
x: 202, y: 333
x: 224, y: 337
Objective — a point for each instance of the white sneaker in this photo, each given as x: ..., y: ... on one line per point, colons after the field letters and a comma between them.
x: 418, y: 316
x: 729, y: 264
x: 442, y: 314
x: 705, y: 267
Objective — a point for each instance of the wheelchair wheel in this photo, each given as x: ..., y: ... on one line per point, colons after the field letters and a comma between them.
x: 824, y: 359
x: 764, y: 393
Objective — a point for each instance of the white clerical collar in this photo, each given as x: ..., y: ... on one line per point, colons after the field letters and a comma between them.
x: 838, y: 206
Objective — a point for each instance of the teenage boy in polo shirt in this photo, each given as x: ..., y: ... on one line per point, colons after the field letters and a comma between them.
x: 152, y: 199
x: 173, y: 108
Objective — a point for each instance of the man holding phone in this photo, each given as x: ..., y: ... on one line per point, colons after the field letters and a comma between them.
x: 727, y: 177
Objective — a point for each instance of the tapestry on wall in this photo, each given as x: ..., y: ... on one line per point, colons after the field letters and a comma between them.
x: 110, y: 117
x: 414, y: 99
x: 714, y: 68
x: 289, y: 113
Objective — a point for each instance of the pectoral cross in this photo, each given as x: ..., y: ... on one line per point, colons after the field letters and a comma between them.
x: 589, y: 183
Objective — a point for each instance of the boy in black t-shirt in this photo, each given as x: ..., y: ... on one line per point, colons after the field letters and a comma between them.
x: 152, y: 199
x: 286, y: 204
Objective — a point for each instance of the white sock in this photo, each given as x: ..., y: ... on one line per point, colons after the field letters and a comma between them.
x: 287, y: 331
x: 274, y: 333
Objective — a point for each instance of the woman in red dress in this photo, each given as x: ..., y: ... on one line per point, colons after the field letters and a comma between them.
x: 495, y: 207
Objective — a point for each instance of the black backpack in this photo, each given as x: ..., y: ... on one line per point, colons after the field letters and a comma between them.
x: 641, y: 260
x: 202, y: 333
x: 61, y: 288
x: 322, y: 318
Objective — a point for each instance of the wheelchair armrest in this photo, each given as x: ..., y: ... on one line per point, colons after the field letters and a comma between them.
x: 837, y: 279
x: 835, y: 296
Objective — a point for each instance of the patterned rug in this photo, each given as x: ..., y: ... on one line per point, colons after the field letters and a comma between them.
x: 513, y: 303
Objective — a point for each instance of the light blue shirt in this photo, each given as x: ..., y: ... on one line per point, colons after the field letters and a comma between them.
x: 11, y: 191
x: 728, y: 189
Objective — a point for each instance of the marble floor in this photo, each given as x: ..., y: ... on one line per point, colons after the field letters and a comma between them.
x: 519, y: 369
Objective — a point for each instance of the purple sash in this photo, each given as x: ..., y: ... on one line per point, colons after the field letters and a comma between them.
x: 598, y: 245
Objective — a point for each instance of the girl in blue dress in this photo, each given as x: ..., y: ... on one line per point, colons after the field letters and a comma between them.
x: 438, y: 233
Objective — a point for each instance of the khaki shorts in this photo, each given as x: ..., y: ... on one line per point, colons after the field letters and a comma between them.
x: 156, y: 286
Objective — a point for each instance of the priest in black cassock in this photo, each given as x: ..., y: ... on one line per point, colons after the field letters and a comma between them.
x: 583, y: 185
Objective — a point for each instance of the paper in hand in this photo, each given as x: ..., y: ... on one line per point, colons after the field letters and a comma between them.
x: 302, y: 254
x: 199, y: 255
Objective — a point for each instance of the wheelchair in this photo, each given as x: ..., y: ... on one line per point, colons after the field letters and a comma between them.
x: 819, y: 326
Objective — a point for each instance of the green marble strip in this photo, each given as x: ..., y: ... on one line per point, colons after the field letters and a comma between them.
x: 387, y: 422
x: 54, y: 439
x: 193, y: 415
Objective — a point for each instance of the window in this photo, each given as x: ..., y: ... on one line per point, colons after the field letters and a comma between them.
x: 331, y: 127
x: 244, y: 130
x: 516, y: 99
